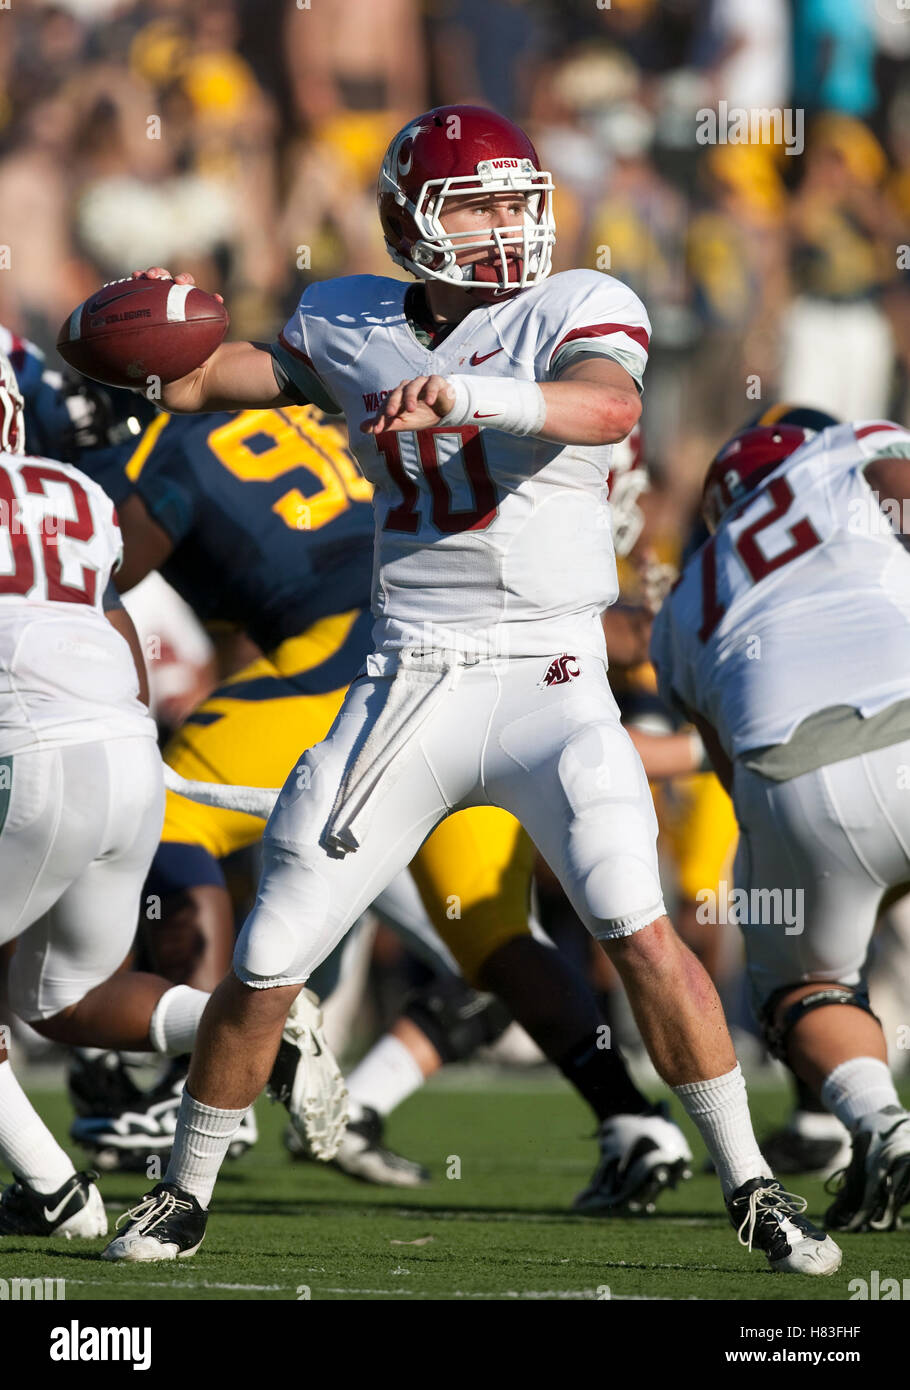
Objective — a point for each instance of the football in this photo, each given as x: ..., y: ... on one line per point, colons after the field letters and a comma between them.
x: 133, y: 330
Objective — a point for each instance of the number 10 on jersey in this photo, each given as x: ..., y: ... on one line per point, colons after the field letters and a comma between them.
x: 404, y: 517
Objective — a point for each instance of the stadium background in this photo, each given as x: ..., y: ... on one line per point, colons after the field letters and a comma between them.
x: 240, y: 140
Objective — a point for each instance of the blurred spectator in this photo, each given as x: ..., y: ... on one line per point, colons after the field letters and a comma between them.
x: 842, y: 260
x: 750, y: 66
x: 834, y: 56
x: 485, y: 52
x: 737, y: 261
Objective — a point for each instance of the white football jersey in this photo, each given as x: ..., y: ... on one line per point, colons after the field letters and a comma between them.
x: 799, y: 602
x: 66, y: 676
x: 484, y: 540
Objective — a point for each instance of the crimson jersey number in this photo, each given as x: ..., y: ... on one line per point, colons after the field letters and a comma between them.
x: 79, y: 528
x: 803, y: 537
x: 404, y: 517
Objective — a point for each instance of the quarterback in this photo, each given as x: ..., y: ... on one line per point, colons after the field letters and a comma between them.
x: 482, y: 404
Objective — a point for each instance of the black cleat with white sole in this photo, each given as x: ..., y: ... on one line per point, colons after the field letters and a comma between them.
x: 640, y: 1157
x: 75, y: 1209
x: 126, y: 1138
x: 768, y: 1218
x: 875, y: 1185
x: 788, y: 1151
x: 361, y: 1154
x: 307, y: 1080
x: 168, y: 1224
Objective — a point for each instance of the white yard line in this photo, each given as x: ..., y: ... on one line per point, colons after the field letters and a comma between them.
x: 557, y: 1295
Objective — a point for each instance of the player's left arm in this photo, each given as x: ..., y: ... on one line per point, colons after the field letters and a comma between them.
x: 595, y: 401
x: 889, y: 479
x: 670, y: 666
x: 718, y: 759
x: 121, y: 621
x: 669, y: 755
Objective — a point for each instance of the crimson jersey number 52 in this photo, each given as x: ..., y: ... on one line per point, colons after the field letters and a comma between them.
x: 803, y: 537
x: 404, y: 516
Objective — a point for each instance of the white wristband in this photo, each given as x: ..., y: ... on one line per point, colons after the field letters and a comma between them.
x: 497, y: 403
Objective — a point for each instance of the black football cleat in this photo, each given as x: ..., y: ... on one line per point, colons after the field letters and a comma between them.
x: 768, y: 1218
x: 874, y: 1187
x: 361, y: 1154
x: 168, y: 1224
x: 75, y: 1209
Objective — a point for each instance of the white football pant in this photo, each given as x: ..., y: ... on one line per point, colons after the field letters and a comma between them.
x: 82, y: 824
x: 832, y: 841
x: 555, y: 756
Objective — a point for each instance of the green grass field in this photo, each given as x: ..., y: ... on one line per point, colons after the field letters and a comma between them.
x: 502, y: 1230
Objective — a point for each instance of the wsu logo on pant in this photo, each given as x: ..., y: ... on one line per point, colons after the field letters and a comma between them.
x: 561, y: 669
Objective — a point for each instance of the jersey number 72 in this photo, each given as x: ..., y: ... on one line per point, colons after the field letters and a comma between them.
x: 803, y: 537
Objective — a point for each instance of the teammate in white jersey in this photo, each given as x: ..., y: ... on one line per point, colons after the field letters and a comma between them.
x: 81, y: 807
x: 482, y: 404
x: 787, y: 641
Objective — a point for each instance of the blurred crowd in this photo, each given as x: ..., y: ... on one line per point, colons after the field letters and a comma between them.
x: 240, y: 140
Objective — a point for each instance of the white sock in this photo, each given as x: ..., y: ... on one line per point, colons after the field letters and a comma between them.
x: 387, y: 1075
x: 202, y: 1140
x: 26, y: 1144
x: 858, y: 1087
x: 172, y: 1028
x: 720, y: 1110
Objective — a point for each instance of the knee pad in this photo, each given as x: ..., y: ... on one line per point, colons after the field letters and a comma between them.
x: 457, y: 1019
x: 178, y: 866
x: 283, y: 939
x: 776, y: 1034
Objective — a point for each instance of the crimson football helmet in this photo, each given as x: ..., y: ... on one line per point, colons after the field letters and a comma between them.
x: 743, y: 462
x: 12, y: 410
x: 449, y: 152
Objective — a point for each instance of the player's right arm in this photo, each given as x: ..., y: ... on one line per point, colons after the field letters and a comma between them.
x: 237, y: 376
x: 146, y: 545
x: 121, y: 622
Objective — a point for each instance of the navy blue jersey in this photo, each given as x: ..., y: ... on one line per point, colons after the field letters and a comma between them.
x: 271, y: 520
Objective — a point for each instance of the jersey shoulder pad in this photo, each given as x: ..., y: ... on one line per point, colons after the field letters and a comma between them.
x: 364, y: 297
x: 592, y: 311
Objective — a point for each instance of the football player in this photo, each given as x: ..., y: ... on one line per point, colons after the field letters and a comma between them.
x: 262, y: 521
x: 803, y: 702
x: 81, y: 803
x: 482, y: 403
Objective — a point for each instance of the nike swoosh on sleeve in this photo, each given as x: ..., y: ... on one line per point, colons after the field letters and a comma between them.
x: 477, y: 359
